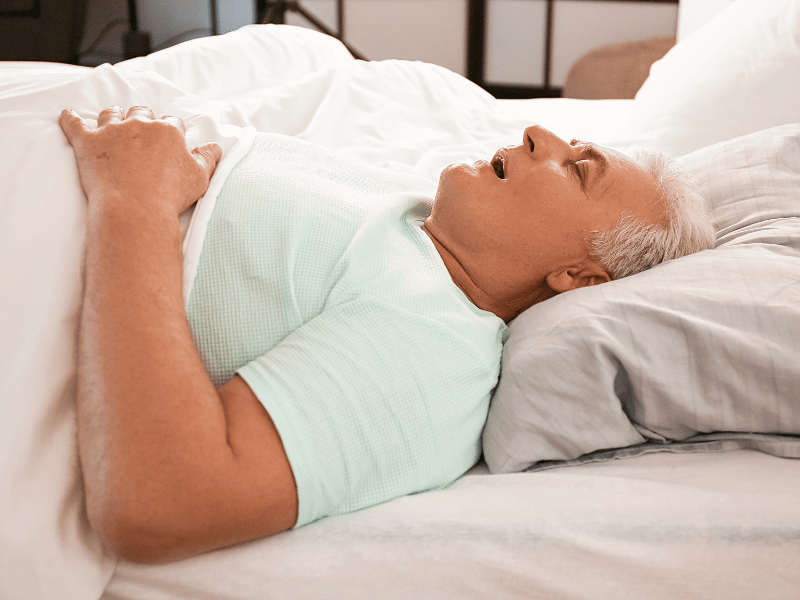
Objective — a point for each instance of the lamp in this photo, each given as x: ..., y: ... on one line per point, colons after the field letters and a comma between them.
x: 134, y: 42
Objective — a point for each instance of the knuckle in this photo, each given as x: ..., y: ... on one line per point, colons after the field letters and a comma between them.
x: 164, y: 127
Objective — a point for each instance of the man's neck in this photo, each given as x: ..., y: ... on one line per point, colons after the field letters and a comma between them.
x: 498, y: 304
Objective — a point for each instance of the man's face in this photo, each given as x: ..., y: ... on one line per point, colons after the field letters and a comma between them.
x: 530, y: 210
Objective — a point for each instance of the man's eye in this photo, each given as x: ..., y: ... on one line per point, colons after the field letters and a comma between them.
x: 579, y: 167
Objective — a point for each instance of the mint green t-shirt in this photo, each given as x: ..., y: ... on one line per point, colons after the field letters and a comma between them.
x: 316, y: 284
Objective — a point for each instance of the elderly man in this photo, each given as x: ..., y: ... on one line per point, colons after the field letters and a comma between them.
x: 342, y: 338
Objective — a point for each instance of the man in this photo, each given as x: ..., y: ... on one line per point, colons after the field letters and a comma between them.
x: 312, y: 380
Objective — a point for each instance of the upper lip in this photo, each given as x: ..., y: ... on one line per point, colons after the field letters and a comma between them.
x: 498, y: 163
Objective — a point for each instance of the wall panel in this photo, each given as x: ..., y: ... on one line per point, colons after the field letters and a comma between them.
x: 515, y: 41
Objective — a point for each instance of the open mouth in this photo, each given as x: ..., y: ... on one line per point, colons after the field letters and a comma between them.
x: 498, y: 165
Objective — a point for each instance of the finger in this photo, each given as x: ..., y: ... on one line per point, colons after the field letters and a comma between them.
x: 109, y: 115
x: 72, y: 125
x: 207, y: 156
x: 176, y: 121
x: 140, y: 112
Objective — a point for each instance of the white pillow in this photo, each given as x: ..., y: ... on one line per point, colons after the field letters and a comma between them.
x: 693, y: 14
x: 738, y: 74
x: 706, y: 343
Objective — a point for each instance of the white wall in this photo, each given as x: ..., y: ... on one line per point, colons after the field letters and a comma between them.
x: 515, y: 41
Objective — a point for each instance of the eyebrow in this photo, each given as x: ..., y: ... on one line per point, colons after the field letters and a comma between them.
x: 589, y: 150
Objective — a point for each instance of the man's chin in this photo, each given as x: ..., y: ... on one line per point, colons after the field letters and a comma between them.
x: 473, y: 169
x: 459, y: 175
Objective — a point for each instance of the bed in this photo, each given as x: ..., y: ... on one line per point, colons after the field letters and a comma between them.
x: 644, y: 436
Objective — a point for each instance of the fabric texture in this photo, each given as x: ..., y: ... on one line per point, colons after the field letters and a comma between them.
x: 706, y: 343
x: 722, y: 525
x: 693, y: 14
x: 47, y: 549
x: 317, y: 285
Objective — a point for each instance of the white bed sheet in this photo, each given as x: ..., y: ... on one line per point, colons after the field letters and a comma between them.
x: 658, y: 526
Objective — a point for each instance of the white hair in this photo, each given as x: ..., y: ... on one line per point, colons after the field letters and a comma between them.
x: 633, y: 246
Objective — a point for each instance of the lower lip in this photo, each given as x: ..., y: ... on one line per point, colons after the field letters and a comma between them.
x: 488, y: 165
x: 485, y: 164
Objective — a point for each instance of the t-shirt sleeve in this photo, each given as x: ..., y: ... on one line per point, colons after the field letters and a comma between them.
x: 373, y: 402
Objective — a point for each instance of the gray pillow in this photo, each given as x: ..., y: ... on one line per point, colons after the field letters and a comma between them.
x: 706, y: 343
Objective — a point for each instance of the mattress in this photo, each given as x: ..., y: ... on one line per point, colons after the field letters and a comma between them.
x: 661, y: 526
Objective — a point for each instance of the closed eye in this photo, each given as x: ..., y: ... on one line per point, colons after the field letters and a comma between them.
x: 580, y: 170
x: 590, y: 152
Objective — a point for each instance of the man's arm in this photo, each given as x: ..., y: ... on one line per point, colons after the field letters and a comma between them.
x: 172, y: 467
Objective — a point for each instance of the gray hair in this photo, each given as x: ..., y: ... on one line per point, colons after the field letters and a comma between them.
x: 633, y: 246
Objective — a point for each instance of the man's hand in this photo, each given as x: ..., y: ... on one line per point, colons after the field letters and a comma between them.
x: 139, y: 158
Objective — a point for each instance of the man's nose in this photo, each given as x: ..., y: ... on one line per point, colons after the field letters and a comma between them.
x: 541, y: 142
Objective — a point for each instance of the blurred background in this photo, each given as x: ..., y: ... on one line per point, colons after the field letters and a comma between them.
x: 513, y: 48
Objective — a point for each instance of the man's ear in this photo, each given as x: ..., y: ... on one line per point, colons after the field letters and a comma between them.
x: 572, y: 278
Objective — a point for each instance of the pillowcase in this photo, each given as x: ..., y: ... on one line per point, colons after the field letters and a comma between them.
x: 693, y: 14
x: 738, y: 74
x: 751, y: 181
x: 705, y: 343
